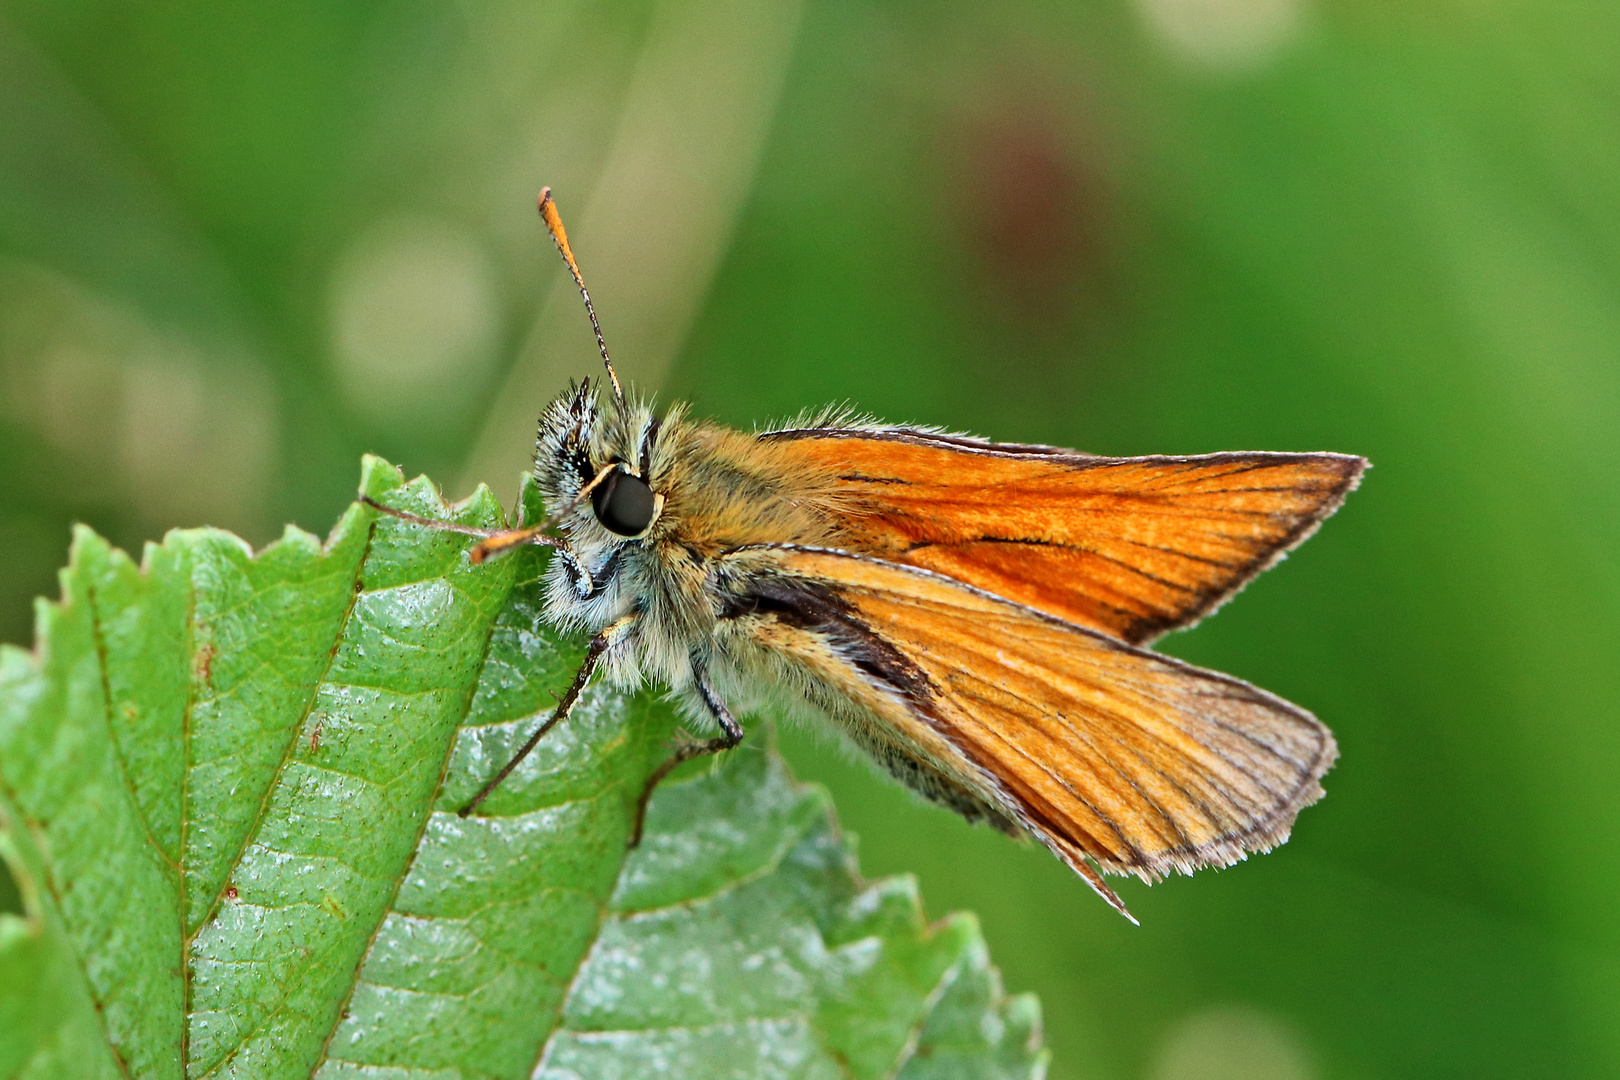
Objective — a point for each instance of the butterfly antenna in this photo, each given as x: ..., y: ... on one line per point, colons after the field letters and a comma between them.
x: 554, y: 225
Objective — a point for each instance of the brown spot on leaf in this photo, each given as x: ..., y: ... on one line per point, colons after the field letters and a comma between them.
x: 204, y: 664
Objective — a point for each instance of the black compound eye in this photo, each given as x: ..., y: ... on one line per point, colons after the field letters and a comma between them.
x: 623, y: 503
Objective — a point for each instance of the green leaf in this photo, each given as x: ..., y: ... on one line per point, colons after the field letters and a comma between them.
x: 227, y: 794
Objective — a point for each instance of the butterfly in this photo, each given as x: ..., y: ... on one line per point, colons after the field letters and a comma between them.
x: 973, y: 615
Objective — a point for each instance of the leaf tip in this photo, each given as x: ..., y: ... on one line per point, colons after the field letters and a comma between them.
x: 378, y: 477
x: 531, y: 506
x: 86, y: 544
x: 481, y: 507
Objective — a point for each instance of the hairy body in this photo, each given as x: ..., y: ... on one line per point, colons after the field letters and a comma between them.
x: 968, y: 613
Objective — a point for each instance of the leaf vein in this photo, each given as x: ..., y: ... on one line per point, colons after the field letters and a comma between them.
x: 126, y: 780
x: 294, y: 734
x: 470, y: 696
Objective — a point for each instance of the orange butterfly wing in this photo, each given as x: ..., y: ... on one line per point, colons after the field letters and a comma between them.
x: 1105, y: 751
x: 1133, y: 547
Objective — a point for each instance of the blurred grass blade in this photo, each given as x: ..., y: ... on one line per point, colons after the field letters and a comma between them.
x: 227, y: 793
x: 660, y: 216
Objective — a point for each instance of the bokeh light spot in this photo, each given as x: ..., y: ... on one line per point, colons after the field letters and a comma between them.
x: 1225, y: 35
x: 1232, y: 1042
x: 415, y: 320
x: 184, y: 429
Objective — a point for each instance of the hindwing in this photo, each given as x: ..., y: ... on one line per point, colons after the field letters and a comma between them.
x: 1102, y: 750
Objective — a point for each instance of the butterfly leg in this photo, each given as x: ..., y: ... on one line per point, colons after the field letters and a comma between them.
x: 731, y: 733
x: 565, y: 705
x: 430, y: 523
x: 493, y: 541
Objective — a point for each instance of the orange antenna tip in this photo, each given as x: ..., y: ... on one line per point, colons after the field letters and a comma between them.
x: 559, y: 235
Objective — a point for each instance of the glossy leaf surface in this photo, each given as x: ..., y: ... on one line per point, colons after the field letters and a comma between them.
x: 227, y: 795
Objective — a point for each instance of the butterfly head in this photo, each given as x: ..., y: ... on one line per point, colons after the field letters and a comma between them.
x: 602, y: 462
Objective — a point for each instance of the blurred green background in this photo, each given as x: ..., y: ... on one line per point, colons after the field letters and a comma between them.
x: 240, y: 244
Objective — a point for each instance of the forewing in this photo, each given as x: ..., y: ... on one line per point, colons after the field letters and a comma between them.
x: 1133, y: 547
x: 1104, y: 750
